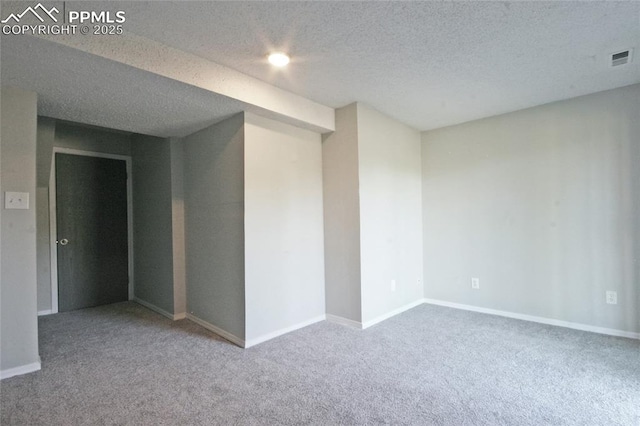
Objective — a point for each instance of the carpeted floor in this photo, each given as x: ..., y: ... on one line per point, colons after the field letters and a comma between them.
x: 123, y: 364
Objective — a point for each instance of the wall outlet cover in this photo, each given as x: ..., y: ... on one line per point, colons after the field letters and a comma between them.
x: 475, y: 283
x: 16, y: 200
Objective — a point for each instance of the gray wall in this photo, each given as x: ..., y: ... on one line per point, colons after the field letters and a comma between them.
x: 44, y: 152
x: 43, y: 250
x: 214, y: 224
x: 18, y: 287
x: 342, y: 216
x: 152, y: 221
x: 543, y: 206
x: 284, y: 248
x: 55, y: 133
x: 177, y: 227
x: 87, y: 138
x: 390, y: 213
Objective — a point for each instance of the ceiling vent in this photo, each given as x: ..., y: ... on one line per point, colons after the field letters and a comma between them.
x: 621, y: 58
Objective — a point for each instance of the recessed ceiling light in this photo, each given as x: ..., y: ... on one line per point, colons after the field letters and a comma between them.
x: 279, y: 59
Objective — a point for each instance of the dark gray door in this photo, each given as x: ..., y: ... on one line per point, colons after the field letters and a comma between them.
x: 91, y: 217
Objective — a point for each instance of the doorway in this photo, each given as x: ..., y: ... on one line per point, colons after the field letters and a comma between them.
x: 91, y: 229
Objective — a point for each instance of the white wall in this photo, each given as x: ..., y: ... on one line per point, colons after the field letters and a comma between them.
x: 214, y: 225
x: 342, y: 216
x: 543, y: 205
x: 390, y: 213
x: 18, y: 287
x: 284, y: 251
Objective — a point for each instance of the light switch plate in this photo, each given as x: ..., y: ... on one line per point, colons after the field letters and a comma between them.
x: 16, y: 200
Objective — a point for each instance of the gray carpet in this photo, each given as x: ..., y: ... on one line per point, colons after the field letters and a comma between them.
x: 123, y: 364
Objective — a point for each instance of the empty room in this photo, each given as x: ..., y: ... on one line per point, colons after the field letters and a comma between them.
x: 320, y: 213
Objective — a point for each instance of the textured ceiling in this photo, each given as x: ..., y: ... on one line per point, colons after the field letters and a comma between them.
x: 428, y: 64
x: 77, y: 86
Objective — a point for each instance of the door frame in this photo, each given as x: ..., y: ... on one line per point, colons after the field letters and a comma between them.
x: 53, y: 225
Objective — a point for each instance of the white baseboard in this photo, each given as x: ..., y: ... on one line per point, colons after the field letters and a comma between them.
x: 160, y: 310
x: 393, y: 313
x: 541, y: 320
x: 273, y: 335
x: 44, y: 312
x: 362, y: 325
x: 23, y: 369
x: 344, y: 321
x: 220, y: 332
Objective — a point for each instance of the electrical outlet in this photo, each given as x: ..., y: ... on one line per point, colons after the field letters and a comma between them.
x: 475, y: 283
x: 393, y: 285
x: 612, y: 297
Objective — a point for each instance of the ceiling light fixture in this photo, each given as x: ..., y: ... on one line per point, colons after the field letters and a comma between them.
x: 279, y: 59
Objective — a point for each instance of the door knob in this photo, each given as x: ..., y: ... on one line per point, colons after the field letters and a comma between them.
x: 64, y: 242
